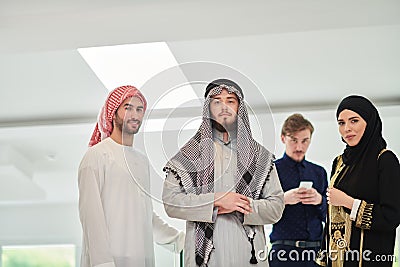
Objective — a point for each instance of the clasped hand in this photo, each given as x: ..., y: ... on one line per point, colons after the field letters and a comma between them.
x: 228, y: 202
x: 336, y: 197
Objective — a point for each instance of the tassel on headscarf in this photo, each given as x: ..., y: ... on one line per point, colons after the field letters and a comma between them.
x: 253, y: 259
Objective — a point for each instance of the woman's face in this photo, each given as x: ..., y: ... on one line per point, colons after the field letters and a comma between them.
x: 351, y: 127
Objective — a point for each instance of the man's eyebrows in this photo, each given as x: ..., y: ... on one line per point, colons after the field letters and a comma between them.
x: 219, y: 97
x: 131, y: 105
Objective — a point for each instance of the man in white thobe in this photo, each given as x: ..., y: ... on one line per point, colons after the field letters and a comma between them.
x: 114, y: 183
x: 224, y: 184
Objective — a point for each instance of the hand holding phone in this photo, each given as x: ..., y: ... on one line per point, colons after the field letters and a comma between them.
x: 306, y: 184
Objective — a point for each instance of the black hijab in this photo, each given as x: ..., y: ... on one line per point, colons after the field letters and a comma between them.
x: 362, y: 158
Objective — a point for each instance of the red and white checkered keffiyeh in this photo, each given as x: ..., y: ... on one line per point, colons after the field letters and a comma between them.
x: 104, y: 125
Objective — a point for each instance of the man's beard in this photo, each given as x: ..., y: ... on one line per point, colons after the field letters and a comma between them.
x: 222, y: 128
x: 119, y: 123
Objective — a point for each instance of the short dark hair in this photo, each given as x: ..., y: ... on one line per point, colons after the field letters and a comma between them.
x: 295, y: 123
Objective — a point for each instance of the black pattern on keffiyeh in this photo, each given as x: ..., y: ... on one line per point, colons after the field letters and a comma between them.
x: 193, y: 166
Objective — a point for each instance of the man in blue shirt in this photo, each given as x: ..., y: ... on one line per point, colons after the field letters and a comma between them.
x: 296, y: 237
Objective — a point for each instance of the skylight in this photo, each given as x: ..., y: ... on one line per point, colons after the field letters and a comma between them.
x: 135, y: 64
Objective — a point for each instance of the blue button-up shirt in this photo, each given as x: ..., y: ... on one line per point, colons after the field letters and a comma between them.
x: 300, y: 221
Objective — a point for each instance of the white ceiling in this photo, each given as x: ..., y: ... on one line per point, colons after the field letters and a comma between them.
x: 301, y: 54
x: 63, y: 25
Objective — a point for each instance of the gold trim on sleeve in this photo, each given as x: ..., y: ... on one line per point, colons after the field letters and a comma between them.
x: 364, y: 215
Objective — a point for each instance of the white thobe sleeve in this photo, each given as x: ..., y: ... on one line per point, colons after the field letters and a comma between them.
x: 269, y: 208
x: 165, y: 234
x: 189, y: 207
x: 92, y: 217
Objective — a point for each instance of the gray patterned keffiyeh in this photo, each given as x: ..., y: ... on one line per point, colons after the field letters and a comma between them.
x: 193, y: 166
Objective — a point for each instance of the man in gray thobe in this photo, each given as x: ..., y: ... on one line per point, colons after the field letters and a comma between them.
x: 224, y: 184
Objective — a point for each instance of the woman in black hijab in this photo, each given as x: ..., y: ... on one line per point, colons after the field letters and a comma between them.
x: 364, y: 206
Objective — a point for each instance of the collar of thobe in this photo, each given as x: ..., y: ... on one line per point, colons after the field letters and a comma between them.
x: 118, y: 144
x: 219, y: 136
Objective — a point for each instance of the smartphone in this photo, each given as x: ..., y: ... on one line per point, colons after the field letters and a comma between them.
x: 306, y: 184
